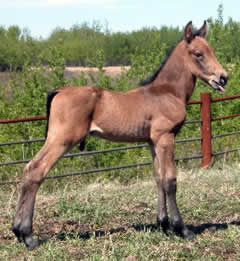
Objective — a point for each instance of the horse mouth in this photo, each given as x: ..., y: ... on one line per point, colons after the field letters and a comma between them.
x: 217, y: 86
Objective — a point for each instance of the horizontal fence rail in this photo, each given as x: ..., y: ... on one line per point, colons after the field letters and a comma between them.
x: 38, y: 118
x: 21, y: 142
x: 228, y: 98
x: 226, y: 117
x: 91, y: 171
x: 225, y: 135
x: 205, y: 139
x: 87, y: 153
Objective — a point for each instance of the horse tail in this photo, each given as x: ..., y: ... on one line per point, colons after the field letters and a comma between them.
x: 82, y: 144
x: 50, y: 97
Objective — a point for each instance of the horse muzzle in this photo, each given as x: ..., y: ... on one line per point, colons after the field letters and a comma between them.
x: 220, y: 83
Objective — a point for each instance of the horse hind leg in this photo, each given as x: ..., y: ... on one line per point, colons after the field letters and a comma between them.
x: 34, y: 174
x: 162, y: 216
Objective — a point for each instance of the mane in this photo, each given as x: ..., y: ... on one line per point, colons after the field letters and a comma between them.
x: 155, y: 74
x: 169, y: 53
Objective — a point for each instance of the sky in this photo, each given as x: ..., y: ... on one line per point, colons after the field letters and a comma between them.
x: 41, y: 17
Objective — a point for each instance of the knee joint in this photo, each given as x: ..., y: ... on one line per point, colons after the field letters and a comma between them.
x: 31, y: 175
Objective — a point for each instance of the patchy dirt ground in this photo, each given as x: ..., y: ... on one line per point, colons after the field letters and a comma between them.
x: 112, y: 71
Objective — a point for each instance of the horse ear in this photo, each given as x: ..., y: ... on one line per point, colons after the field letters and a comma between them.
x: 203, y: 30
x: 188, y: 32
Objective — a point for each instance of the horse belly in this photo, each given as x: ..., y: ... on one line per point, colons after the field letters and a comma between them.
x: 121, y: 133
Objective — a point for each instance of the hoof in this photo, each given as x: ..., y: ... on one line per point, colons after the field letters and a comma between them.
x: 17, y: 233
x: 29, y: 242
x: 184, y: 233
x: 178, y: 227
x: 187, y: 234
x: 164, y: 224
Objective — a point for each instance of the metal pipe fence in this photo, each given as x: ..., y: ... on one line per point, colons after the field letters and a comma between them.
x: 205, y: 139
x: 206, y: 128
x: 87, y: 153
x: 78, y: 173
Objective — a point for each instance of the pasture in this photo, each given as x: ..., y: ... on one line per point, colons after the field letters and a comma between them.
x: 112, y: 221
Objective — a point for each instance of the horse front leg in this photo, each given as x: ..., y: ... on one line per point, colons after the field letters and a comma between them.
x: 34, y: 174
x: 164, y: 149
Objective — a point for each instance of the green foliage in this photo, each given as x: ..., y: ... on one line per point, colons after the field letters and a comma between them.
x: 98, y: 60
x: 80, y: 45
x: 224, y: 38
x: 15, y: 44
x: 25, y: 95
x: 144, y: 63
x: 56, y: 65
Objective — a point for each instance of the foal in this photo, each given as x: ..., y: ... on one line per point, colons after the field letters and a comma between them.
x: 152, y: 113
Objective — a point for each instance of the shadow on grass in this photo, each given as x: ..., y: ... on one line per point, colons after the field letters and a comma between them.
x: 85, y: 235
x: 197, y: 230
x: 88, y: 234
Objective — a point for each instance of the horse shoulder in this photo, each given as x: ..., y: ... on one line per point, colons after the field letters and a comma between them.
x: 169, y: 114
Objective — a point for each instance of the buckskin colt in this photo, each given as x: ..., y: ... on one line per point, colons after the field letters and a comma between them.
x: 152, y: 113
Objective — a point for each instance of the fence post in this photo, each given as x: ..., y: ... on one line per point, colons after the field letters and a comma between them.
x: 206, y: 130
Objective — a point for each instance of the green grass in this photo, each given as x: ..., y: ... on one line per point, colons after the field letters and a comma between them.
x: 111, y: 221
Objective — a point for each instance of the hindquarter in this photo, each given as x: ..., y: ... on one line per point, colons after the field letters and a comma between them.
x: 71, y: 112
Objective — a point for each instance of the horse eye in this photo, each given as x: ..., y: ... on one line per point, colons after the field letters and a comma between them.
x: 198, y: 55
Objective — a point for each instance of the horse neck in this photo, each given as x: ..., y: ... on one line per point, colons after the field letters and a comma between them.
x: 175, y: 77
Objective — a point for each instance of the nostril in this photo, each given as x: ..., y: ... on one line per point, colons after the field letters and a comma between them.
x: 223, y: 80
